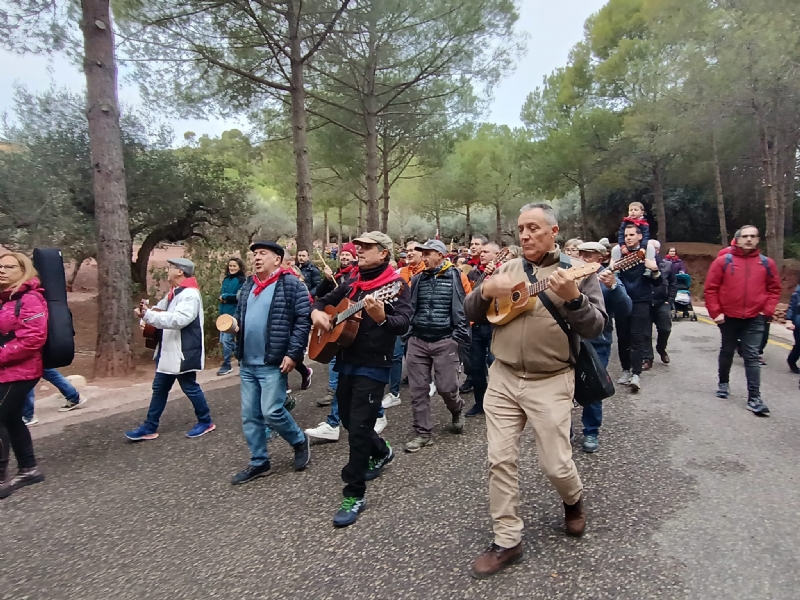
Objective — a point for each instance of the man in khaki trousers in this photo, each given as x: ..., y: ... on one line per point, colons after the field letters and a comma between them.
x: 532, y: 380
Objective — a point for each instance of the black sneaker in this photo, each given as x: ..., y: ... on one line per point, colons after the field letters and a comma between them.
x: 376, y: 466
x: 757, y: 407
x: 307, y: 379
x: 302, y: 454
x: 474, y: 411
x: 723, y: 390
x: 793, y: 368
x: 466, y: 387
x: 250, y: 472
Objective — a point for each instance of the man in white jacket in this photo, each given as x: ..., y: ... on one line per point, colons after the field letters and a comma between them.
x: 180, y: 353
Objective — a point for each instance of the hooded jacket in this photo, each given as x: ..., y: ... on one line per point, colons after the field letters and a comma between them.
x: 533, y: 346
x: 742, y: 287
x: 23, y: 335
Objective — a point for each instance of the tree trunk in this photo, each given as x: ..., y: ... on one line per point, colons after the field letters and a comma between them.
x: 780, y: 198
x: 139, y: 266
x: 658, y: 199
x: 360, y: 216
x: 114, y: 350
x: 74, y: 275
x: 371, y: 138
x: 788, y: 226
x: 770, y: 202
x: 305, y: 207
x: 723, y: 225
x: 438, y: 224
x: 584, y: 211
x: 339, y: 242
x: 498, y: 224
x: 327, y: 229
x: 468, y: 215
x: 386, y: 189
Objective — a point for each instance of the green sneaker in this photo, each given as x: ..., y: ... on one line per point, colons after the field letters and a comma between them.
x: 376, y: 466
x: 290, y: 403
x: 418, y: 443
x: 348, y: 511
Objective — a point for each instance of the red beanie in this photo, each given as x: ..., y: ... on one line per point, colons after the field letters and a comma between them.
x: 350, y: 247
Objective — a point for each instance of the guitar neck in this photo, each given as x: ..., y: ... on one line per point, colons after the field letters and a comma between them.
x: 537, y: 288
x: 354, y: 308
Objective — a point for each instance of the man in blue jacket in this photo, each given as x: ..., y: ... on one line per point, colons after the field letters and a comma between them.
x: 618, y: 304
x: 273, y: 327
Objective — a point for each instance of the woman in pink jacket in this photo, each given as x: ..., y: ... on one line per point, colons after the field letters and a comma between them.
x: 23, y: 332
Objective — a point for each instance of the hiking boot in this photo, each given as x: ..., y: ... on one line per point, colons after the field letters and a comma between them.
x: 494, y: 560
x: 457, y: 425
x: 793, y: 367
x: 224, y: 370
x: 302, y: 454
x: 348, y: 511
x: 625, y: 378
x: 757, y: 407
x: 250, y: 473
x: 306, y: 383
x: 636, y: 385
x: 723, y: 390
x: 664, y: 356
x: 140, y: 434
x: 200, y: 429
x: 324, y: 431
x: 590, y: 444
x: 474, y: 411
x: 647, y: 365
x: 418, y: 443
x: 380, y: 424
x: 575, y: 518
x: 376, y: 466
x: 73, y: 405
x: 327, y: 400
x: 390, y: 400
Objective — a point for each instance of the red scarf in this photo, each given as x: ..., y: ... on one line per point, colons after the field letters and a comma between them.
x: 343, y: 273
x: 672, y: 258
x: 385, y: 278
x: 189, y: 282
x: 636, y: 221
x: 474, y: 261
x: 260, y: 286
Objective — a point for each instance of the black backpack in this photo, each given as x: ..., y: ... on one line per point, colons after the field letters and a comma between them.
x: 59, y: 349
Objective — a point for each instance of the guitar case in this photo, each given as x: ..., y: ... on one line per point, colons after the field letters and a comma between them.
x: 59, y: 350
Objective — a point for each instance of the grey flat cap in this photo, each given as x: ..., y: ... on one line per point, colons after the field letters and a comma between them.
x: 436, y: 245
x: 184, y: 264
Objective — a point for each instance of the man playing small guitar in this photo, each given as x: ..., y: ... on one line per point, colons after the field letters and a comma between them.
x: 532, y: 379
x: 364, y: 367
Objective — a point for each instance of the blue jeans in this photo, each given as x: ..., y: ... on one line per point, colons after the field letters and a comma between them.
x: 162, y: 384
x: 263, y: 398
x: 592, y: 416
x: 61, y: 384
x: 397, y: 366
x: 228, y: 342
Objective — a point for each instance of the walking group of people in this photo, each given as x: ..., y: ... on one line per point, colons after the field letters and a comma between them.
x: 436, y: 324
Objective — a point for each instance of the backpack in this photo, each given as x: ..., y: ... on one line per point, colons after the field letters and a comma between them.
x: 729, y: 261
x: 59, y: 349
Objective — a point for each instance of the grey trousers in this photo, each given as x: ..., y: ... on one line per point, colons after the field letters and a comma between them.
x: 442, y: 356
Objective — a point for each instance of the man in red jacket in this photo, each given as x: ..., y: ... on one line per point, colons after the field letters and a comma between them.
x: 742, y: 289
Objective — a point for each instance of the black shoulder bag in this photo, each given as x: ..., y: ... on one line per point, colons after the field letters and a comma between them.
x: 592, y: 382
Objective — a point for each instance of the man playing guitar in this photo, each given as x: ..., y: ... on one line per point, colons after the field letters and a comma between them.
x: 364, y: 367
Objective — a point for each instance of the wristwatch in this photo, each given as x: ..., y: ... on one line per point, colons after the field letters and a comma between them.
x: 574, y: 304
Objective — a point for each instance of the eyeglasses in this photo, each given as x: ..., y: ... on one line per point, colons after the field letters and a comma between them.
x: 8, y: 267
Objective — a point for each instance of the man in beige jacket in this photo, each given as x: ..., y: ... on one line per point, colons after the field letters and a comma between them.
x: 532, y: 380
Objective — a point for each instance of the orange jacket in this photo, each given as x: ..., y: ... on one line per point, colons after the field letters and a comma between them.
x: 409, y: 271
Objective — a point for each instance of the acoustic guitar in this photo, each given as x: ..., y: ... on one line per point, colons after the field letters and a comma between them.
x: 629, y: 261
x: 152, y: 335
x: 345, y: 321
x: 501, y: 258
x: 523, y: 296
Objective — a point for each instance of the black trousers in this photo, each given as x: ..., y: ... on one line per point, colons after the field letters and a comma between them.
x: 747, y: 333
x: 631, y: 332
x: 359, y: 402
x: 794, y: 355
x: 480, y: 354
x: 14, y: 434
x: 661, y: 317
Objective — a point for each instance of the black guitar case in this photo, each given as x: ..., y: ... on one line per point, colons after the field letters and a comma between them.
x: 59, y: 350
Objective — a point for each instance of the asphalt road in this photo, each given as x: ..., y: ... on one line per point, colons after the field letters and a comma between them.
x: 690, y: 496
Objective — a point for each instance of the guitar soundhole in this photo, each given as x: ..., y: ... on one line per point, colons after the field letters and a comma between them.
x: 515, y: 296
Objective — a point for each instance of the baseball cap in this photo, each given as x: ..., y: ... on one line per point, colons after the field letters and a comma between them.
x: 592, y: 247
x: 184, y: 264
x: 436, y: 245
x: 376, y: 237
x: 273, y: 246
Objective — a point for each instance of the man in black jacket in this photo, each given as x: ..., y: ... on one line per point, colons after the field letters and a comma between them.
x: 438, y: 327
x: 365, y: 366
x: 310, y: 272
x: 273, y: 327
x: 660, y: 312
x: 631, y: 330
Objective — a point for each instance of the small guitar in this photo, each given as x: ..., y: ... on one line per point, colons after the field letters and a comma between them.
x: 629, y: 261
x: 152, y: 335
x: 501, y: 258
x: 523, y: 296
x: 324, y: 345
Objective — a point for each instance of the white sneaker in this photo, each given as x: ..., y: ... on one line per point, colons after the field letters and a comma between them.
x: 635, y: 384
x: 381, y: 424
x: 390, y: 400
x: 323, y: 431
x: 72, y: 406
x: 432, y: 391
x: 30, y: 422
x: 625, y: 379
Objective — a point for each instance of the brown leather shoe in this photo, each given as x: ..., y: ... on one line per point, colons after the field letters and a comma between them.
x: 575, y: 518
x: 664, y: 357
x: 494, y: 560
x: 647, y: 365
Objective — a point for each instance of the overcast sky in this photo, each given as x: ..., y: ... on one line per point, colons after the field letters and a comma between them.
x: 553, y: 28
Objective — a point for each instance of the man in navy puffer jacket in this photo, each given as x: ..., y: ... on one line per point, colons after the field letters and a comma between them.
x: 273, y: 327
